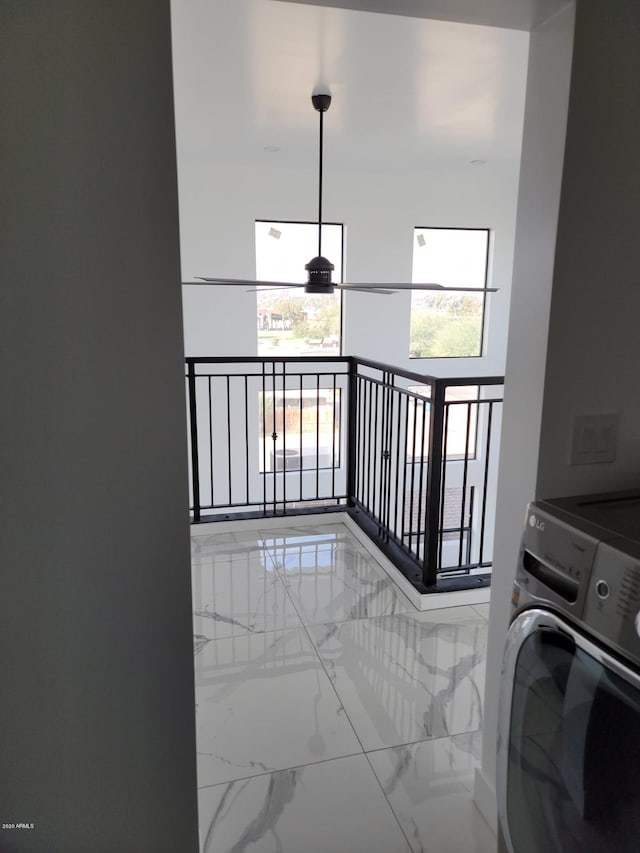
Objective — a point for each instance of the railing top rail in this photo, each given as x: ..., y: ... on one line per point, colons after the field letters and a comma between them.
x: 425, y: 378
x: 356, y: 361
x: 473, y: 380
x: 257, y: 359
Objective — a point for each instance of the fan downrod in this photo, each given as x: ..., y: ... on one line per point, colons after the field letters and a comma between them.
x: 319, y: 269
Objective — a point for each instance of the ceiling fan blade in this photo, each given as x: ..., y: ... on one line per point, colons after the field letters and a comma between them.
x: 393, y: 286
x: 358, y: 288
x: 245, y: 282
x: 261, y: 289
x: 369, y: 287
x: 440, y: 287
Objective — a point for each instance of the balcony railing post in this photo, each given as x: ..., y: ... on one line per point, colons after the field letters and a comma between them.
x: 352, y: 414
x: 434, y: 481
x: 193, y: 431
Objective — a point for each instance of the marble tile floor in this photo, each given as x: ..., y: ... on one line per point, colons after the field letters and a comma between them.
x: 331, y: 716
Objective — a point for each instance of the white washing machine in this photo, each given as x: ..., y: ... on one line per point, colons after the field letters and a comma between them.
x: 568, y: 777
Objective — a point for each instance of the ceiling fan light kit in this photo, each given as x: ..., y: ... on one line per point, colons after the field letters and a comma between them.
x: 319, y: 269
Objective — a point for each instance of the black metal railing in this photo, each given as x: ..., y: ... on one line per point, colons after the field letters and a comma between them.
x: 412, y: 458
x: 424, y: 454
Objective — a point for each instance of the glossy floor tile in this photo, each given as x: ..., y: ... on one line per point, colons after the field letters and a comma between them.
x: 406, y: 677
x: 263, y: 703
x: 240, y: 596
x: 482, y: 609
x: 333, y: 806
x: 335, y: 580
x: 313, y: 671
x: 430, y: 788
x: 226, y: 547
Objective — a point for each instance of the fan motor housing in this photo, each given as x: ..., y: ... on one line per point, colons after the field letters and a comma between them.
x: 319, y: 271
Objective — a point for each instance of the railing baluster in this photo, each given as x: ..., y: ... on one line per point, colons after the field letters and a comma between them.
x: 317, y: 436
x: 246, y: 436
x: 464, y: 479
x: 274, y: 436
x: 359, y: 440
x: 413, y: 473
x: 445, y: 456
x: 264, y: 439
x: 376, y: 428
x: 210, y: 441
x: 300, y: 427
x: 284, y: 435
x: 423, y: 421
x: 388, y: 447
x: 397, y: 502
x: 404, y: 467
x: 434, y: 477
x: 193, y: 429
x: 333, y: 438
x: 470, y: 528
x: 485, y: 483
x: 229, y: 434
x: 368, y: 420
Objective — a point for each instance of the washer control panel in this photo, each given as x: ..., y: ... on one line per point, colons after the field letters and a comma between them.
x: 555, y: 562
x: 612, y: 607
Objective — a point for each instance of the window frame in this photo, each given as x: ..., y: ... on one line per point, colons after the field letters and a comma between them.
x: 275, y: 223
x: 489, y: 232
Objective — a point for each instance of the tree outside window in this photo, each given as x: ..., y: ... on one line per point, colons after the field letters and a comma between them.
x: 291, y: 322
x: 448, y: 325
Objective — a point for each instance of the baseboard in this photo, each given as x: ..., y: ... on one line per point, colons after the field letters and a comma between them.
x: 267, y: 522
x: 419, y: 601
x: 484, y: 797
x: 396, y: 576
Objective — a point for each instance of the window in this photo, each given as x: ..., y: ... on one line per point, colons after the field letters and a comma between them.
x: 448, y: 325
x: 300, y: 429
x: 292, y: 322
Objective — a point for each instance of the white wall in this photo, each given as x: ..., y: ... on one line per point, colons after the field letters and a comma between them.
x: 254, y: 87
x: 97, y: 721
x: 539, y: 197
x: 379, y: 213
x: 594, y: 344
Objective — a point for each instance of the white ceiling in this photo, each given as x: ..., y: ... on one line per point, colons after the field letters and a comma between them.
x: 408, y: 93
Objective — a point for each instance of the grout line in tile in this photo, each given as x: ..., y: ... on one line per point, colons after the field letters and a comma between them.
x: 324, y: 669
x: 422, y: 740
x: 370, y: 752
x: 282, y: 770
x: 479, y: 612
x: 393, y: 811
x: 317, y: 657
x: 399, y: 613
x: 250, y: 633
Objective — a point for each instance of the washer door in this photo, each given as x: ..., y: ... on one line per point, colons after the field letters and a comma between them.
x: 569, y: 743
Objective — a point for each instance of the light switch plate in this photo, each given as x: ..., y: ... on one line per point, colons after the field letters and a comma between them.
x: 595, y: 438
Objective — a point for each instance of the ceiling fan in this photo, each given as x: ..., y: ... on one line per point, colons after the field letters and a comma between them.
x: 319, y: 269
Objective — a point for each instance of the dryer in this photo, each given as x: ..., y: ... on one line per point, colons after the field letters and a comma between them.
x: 568, y: 776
